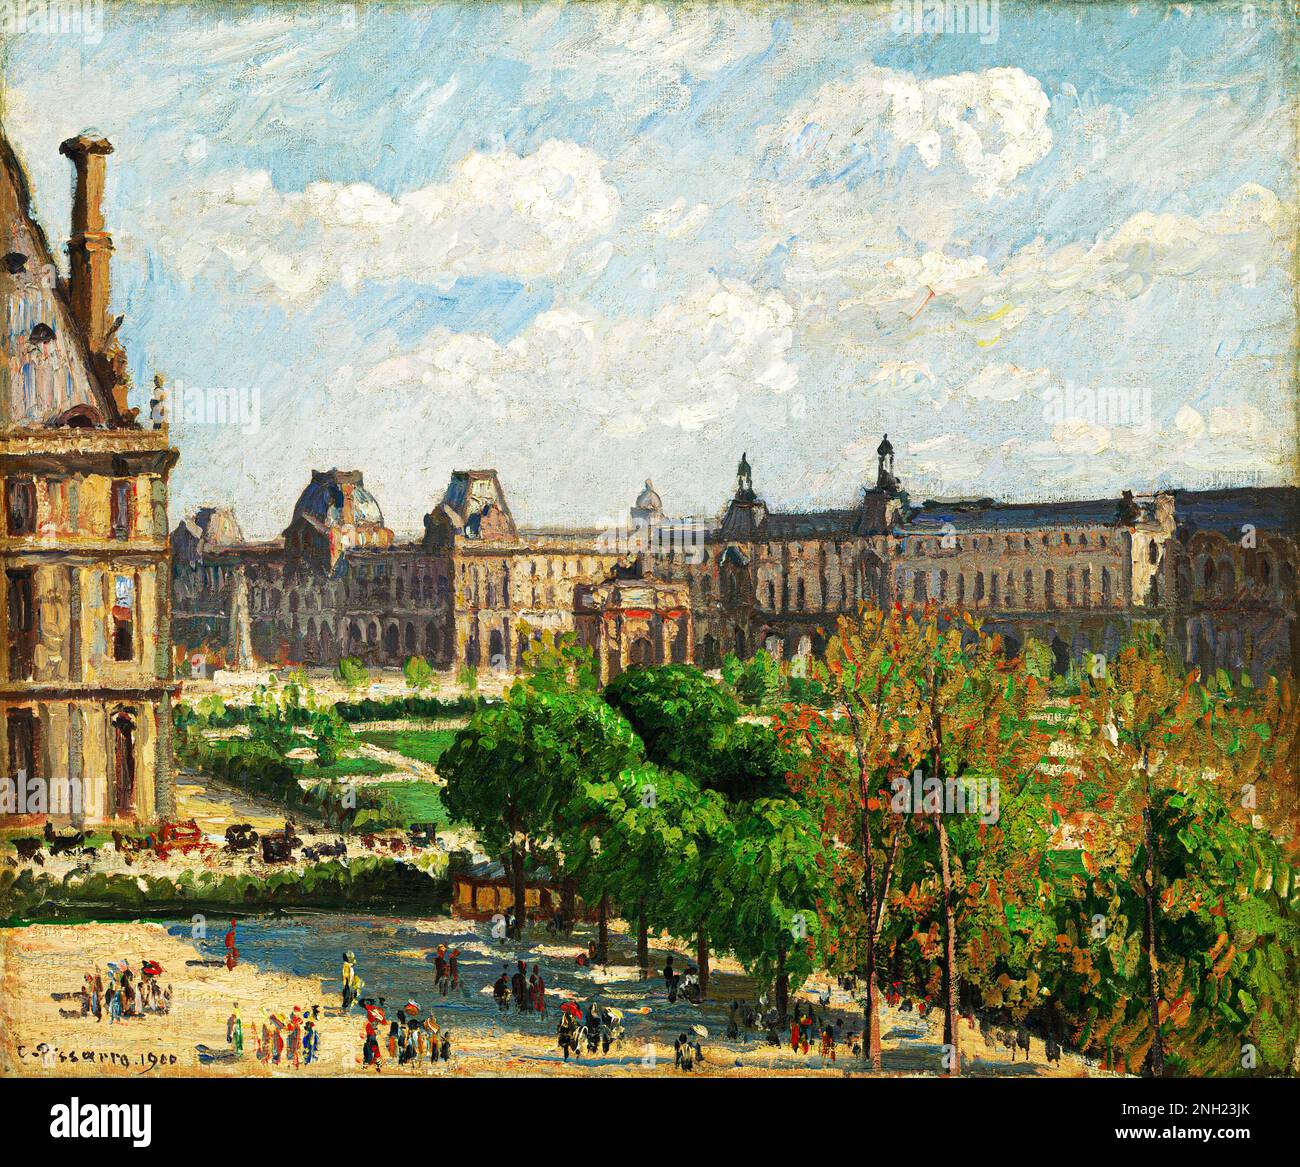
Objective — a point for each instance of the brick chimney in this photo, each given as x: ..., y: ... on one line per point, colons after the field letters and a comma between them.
x: 89, y: 249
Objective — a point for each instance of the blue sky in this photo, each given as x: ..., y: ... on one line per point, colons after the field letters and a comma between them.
x: 595, y: 244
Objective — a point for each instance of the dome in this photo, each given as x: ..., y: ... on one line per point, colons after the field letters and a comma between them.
x: 219, y: 526
x: 648, y: 499
x: 338, y: 497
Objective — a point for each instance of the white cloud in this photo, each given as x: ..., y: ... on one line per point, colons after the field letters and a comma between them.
x: 1002, y: 383
x: 687, y: 367
x: 990, y: 125
x: 1235, y: 243
x: 526, y: 217
x: 642, y: 58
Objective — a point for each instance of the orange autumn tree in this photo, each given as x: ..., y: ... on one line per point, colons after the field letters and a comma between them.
x: 925, y: 697
x: 977, y: 720
x: 845, y: 779
x: 1191, y: 832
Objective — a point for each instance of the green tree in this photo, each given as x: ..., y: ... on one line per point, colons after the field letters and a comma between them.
x: 418, y: 673
x: 629, y: 836
x: 352, y: 674
x: 514, y: 770
x: 768, y: 891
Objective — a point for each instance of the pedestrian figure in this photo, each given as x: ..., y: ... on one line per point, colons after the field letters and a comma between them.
x: 310, y: 1040
x: 232, y: 953
x: 351, y: 982
x: 670, y: 980
x: 235, y: 1032
x: 501, y: 989
x: 440, y: 971
x: 295, y: 1037
x: 453, y: 968
x: 519, y: 987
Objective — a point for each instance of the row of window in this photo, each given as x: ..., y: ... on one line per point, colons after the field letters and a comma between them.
x: 23, y: 728
x: 998, y: 590
x: 25, y: 621
x: 21, y: 516
x: 929, y: 545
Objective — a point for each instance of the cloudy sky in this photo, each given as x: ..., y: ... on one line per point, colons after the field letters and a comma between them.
x: 596, y: 244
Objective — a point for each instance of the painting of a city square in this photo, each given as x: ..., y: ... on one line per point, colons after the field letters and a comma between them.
x: 648, y: 541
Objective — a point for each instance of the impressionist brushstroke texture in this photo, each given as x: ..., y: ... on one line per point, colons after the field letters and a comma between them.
x: 588, y: 245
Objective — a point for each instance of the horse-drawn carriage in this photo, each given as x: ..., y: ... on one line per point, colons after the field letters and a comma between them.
x: 241, y: 837
x: 185, y: 837
x: 423, y: 834
x: 278, y: 846
x: 338, y: 849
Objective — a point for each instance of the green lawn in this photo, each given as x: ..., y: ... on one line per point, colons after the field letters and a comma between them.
x: 416, y: 802
x: 421, y: 745
x: 358, y: 766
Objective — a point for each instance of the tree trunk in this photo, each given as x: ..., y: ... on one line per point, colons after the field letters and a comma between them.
x: 1153, y: 956
x: 871, y: 1007
x: 602, y: 932
x: 642, y: 941
x: 871, y: 1010
x: 569, y: 902
x: 702, y: 960
x: 520, y: 889
x: 951, y: 1036
x: 782, y: 986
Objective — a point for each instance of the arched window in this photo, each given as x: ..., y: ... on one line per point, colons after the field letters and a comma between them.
x: 1105, y: 587
x: 799, y: 595
x: 979, y: 587
x: 1049, y: 588
x: 918, y: 587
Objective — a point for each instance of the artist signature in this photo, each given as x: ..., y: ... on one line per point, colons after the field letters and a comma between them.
x: 51, y: 1055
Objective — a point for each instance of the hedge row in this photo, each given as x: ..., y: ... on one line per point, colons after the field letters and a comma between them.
x: 367, y: 882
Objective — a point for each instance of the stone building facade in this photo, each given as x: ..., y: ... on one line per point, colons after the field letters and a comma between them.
x: 1214, y: 572
x: 85, y: 652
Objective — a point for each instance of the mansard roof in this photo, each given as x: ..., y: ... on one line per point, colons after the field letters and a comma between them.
x: 46, y: 376
x: 475, y: 505
x: 809, y: 524
x: 1227, y: 511
x: 985, y: 514
x: 325, y: 500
